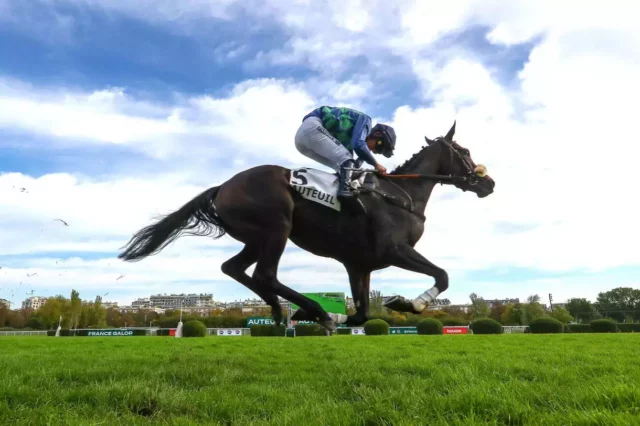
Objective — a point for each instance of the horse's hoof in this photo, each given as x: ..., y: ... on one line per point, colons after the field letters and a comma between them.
x: 355, y: 321
x: 400, y: 304
x: 329, y: 325
x: 301, y: 315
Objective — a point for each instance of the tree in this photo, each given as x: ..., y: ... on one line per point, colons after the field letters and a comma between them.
x: 514, y: 314
x: 534, y: 298
x: 15, y: 319
x: 561, y: 314
x: 479, y: 307
x: 52, y: 310
x: 375, y: 303
x: 581, y: 309
x: 4, y: 314
x: 533, y: 309
x: 75, y: 309
x: 454, y: 311
x: 619, y: 302
x: 497, y: 310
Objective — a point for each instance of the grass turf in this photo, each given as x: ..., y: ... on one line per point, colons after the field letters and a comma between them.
x: 342, y: 380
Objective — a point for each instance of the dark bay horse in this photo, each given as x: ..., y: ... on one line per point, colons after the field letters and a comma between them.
x: 259, y: 208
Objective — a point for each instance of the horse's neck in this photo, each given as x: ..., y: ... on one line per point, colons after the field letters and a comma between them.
x: 426, y: 162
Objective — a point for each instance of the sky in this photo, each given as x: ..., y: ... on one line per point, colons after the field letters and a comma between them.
x: 113, y: 112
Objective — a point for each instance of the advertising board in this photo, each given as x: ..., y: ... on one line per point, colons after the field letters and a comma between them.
x: 455, y: 330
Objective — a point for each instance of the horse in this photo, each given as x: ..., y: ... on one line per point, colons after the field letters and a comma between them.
x: 259, y: 208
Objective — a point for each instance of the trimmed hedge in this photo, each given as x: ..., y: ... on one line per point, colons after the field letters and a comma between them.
x: 629, y: 328
x: 194, y: 328
x: 545, y: 325
x: 268, y: 331
x: 303, y: 330
x: 376, y: 327
x: 429, y: 326
x: 577, y: 328
x: 603, y: 326
x: 455, y: 322
x: 486, y: 326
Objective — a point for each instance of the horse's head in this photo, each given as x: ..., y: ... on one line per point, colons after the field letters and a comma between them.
x: 456, y: 161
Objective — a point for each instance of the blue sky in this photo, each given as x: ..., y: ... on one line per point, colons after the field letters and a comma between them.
x: 112, y: 112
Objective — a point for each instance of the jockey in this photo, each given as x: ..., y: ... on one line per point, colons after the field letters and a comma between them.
x: 329, y: 135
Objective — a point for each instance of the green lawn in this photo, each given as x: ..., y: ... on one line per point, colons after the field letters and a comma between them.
x: 340, y: 380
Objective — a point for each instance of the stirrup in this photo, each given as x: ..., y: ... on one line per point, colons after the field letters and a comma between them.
x: 344, y: 177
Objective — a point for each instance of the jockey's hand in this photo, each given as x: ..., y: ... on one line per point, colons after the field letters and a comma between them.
x: 381, y: 169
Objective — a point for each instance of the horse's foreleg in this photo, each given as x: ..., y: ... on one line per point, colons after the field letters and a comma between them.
x: 359, y: 282
x: 406, y: 257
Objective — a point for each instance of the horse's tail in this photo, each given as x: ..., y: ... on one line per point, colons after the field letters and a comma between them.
x: 197, y: 217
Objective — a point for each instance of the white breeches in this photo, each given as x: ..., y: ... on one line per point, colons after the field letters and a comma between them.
x: 315, y: 142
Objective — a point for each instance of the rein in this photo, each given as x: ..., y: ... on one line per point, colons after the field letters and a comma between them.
x: 437, y: 178
x: 471, y: 177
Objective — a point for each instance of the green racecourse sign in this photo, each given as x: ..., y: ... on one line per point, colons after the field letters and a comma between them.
x: 103, y: 333
x: 403, y: 330
x: 260, y: 321
x: 330, y: 302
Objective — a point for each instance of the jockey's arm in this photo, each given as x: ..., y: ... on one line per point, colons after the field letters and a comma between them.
x: 358, y: 143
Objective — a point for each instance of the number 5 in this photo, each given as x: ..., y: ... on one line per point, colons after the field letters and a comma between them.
x: 299, y: 174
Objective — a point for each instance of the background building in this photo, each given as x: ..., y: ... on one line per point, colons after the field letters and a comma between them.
x: 34, y: 302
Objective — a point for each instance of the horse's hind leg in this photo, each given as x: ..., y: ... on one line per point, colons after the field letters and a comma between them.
x: 266, y: 272
x: 236, y: 267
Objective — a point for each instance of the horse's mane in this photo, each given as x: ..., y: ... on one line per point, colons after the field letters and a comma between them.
x: 404, y: 166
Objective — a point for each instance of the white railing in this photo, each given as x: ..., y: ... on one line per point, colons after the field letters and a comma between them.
x: 23, y: 333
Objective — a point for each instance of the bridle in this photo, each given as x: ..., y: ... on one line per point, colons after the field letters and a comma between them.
x: 469, y: 177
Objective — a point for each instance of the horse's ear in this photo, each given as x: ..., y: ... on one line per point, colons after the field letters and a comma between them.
x: 429, y: 141
x: 452, y: 132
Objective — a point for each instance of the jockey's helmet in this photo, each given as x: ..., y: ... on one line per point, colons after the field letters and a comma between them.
x: 386, y: 137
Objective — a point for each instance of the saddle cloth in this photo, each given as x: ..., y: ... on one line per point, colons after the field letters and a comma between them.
x: 320, y: 186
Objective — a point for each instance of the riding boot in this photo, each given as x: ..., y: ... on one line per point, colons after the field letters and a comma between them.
x: 344, y: 191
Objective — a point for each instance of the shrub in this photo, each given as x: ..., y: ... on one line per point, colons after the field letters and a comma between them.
x: 455, y: 322
x: 413, y: 320
x: 386, y: 318
x: 429, y: 326
x: 310, y: 330
x: 233, y: 321
x: 603, y: 326
x: 172, y: 322
x: 376, y: 327
x: 629, y: 328
x: 268, y: 331
x: 344, y: 330
x: 194, y: 328
x: 486, y: 326
x: 545, y: 325
x: 577, y: 328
